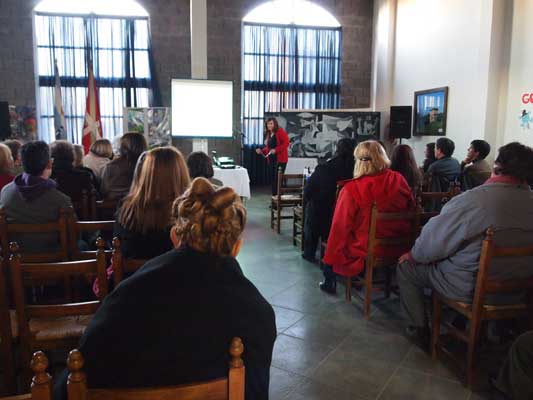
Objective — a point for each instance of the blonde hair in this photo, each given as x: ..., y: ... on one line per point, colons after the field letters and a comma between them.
x: 78, y: 156
x: 102, y: 148
x: 6, y: 159
x: 162, y: 176
x: 209, y: 220
x: 370, y: 159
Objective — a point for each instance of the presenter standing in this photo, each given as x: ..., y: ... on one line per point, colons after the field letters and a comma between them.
x: 276, y: 150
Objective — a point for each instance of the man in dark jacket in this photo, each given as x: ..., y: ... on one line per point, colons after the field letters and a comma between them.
x: 33, y: 198
x: 446, y: 169
x: 474, y: 169
x: 319, y: 194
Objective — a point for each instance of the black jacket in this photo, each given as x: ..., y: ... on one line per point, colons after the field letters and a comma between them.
x: 71, y: 181
x: 320, y: 190
x: 172, y: 322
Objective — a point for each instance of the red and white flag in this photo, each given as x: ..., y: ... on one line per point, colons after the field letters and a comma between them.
x: 92, y: 126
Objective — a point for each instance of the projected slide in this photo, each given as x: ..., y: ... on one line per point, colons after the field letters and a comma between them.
x: 202, y: 108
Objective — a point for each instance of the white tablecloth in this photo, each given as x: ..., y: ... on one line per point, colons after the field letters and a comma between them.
x: 297, y: 165
x: 237, y: 179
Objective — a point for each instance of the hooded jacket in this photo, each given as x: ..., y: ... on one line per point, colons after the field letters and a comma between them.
x: 348, y: 238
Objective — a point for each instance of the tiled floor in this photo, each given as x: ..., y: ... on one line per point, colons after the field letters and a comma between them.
x: 325, y: 349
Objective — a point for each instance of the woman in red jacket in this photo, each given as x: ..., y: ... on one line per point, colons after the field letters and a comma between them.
x: 373, y: 182
x: 276, y: 150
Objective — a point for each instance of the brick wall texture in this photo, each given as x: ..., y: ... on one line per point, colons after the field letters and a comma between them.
x: 170, y: 32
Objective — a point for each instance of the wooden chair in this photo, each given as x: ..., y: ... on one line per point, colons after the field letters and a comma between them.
x: 289, y: 195
x: 433, y: 201
x: 82, y: 207
x: 52, y: 326
x: 78, y: 228
x: 299, y: 221
x: 123, y: 266
x: 102, y: 210
x: 374, y: 261
x: 479, y: 312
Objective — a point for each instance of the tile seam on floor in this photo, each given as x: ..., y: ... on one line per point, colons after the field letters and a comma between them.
x: 394, y: 373
x: 430, y: 374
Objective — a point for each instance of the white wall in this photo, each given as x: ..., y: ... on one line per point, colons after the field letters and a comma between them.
x: 456, y: 43
x: 520, y: 73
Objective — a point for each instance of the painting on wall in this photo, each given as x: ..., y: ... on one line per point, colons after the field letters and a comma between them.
x: 23, y: 122
x: 153, y: 123
x: 430, y: 112
x: 314, y: 134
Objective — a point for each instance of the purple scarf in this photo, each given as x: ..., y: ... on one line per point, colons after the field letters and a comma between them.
x: 32, y: 187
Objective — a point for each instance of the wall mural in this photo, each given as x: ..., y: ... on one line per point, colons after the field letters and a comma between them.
x: 315, y: 133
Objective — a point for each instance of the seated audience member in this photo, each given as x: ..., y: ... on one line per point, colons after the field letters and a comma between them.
x: 179, y: 312
x: 475, y: 170
x: 445, y: 169
x: 69, y: 180
x: 144, y: 220
x: 78, y: 165
x: 6, y: 166
x: 429, y: 153
x: 446, y: 255
x: 15, y: 145
x: 118, y: 174
x: 100, y: 154
x: 32, y: 198
x: 374, y: 182
x: 320, y: 192
x: 403, y: 161
x: 201, y: 165
x: 515, y: 379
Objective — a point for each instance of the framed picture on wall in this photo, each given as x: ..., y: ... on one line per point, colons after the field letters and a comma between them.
x: 430, y: 112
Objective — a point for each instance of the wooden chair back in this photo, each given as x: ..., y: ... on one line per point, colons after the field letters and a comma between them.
x: 52, y: 318
x: 103, y: 209
x: 7, y: 230
x: 7, y: 362
x: 374, y: 260
x: 433, y: 201
x: 479, y: 310
x: 83, y: 207
x: 78, y: 228
x: 123, y: 266
x: 230, y: 388
x: 290, y: 188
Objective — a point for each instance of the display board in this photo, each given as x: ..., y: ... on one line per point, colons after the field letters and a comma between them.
x: 316, y: 133
x: 153, y: 123
x: 202, y: 108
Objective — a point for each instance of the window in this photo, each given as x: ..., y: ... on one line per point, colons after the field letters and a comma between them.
x: 72, y: 33
x: 289, y: 66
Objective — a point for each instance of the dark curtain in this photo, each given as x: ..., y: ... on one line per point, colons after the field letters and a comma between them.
x: 120, y: 50
x: 285, y: 67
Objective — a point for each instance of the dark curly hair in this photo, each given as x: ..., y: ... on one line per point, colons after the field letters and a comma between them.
x: 516, y: 160
x: 207, y: 219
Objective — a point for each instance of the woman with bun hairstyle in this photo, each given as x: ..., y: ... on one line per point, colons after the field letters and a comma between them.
x: 173, y: 320
x: 276, y: 150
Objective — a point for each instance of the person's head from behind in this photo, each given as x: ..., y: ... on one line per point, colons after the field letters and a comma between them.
x: 62, y: 152
x: 6, y: 160
x: 515, y: 160
x: 444, y: 147
x: 200, y: 165
x: 132, y: 145
x: 78, y: 156
x: 209, y: 220
x: 478, y: 150
x: 161, y: 176
x: 403, y: 158
x: 429, y: 151
x: 345, y: 148
x: 271, y: 125
x: 102, y: 148
x: 370, y: 159
x: 14, y: 145
x: 36, y: 159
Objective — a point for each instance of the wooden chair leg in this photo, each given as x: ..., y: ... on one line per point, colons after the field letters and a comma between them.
x: 279, y: 219
x: 348, y: 289
x: 473, y: 338
x: 294, y: 230
x: 435, y: 326
x: 368, y: 291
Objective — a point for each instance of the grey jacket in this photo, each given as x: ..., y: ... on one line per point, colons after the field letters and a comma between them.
x: 452, y: 240
x: 475, y: 174
x: 41, y: 210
